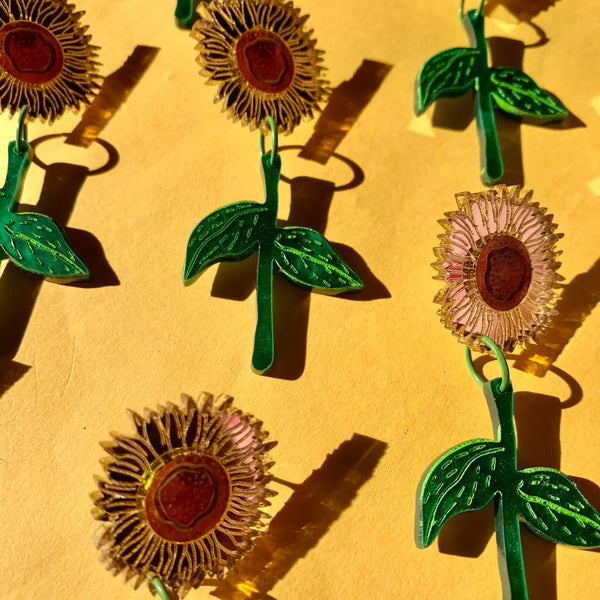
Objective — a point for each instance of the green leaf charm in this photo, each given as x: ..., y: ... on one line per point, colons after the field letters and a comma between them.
x: 35, y: 243
x: 228, y: 233
x: 555, y: 509
x: 462, y: 479
x: 470, y: 475
x: 455, y: 71
x: 307, y: 259
x: 32, y: 241
x: 447, y: 74
x: 303, y: 255
x: 516, y: 93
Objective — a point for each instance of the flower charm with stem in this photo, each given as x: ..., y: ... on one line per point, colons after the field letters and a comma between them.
x: 455, y: 71
x: 303, y: 255
x: 469, y: 476
x: 47, y: 65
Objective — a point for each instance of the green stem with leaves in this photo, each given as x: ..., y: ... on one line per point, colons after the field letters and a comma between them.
x: 455, y: 71
x: 32, y: 241
x: 304, y: 256
x: 469, y: 476
x: 491, y: 157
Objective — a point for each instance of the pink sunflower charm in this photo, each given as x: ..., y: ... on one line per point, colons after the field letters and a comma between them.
x: 498, y: 260
x: 181, y: 497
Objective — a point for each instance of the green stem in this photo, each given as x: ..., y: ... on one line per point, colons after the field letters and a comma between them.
x: 184, y: 13
x: 492, y: 168
x: 510, y: 551
x: 508, y: 532
x: 160, y: 589
x: 262, y: 357
x: 18, y: 163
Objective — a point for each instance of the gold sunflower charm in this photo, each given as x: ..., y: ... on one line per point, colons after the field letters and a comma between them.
x: 46, y: 60
x: 182, y: 496
x: 262, y: 59
x: 498, y: 260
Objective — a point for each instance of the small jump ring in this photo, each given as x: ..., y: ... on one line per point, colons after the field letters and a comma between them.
x: 273, y: 126
x: 160, y: 589
x: 461, y: 7
x: 503, y: 364
x: 22, y: 128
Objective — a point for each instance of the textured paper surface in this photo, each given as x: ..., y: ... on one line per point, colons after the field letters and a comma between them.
x: 377, y: 365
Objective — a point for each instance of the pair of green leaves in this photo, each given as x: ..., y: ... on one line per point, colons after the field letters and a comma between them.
x: 455, y: 71
x: 32, y: 241
x: 303, y: 255
x: 467, y: 478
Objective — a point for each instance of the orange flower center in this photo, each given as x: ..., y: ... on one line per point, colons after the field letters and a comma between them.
x: 265, y: 60
x: 29, y: 52
x: 503, y: 272
x: 187, y: 498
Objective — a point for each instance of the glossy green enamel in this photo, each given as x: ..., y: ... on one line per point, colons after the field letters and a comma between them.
x: 469, y: 476
x: 184, y: 13
x: 33, y: 241
x: 455, y: 71
x: 303, y: 255
x: 160, y: 589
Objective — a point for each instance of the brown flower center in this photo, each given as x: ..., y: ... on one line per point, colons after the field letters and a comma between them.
x: 265, y: 60
x: 187, y: 498
x: 503, y: 272
x: 29, y: 52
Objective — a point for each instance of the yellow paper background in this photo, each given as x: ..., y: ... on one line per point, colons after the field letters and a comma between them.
x: 383, y: 368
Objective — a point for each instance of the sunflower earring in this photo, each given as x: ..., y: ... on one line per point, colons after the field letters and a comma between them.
x: 498, y: 261
x: 181, y: 497
x: 268, y: 74
x: 46, y: 66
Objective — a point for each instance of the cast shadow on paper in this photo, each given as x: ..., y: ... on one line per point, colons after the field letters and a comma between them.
x: 115, y: 90
x: 305, y: 518
x: 10, y: 372
x: 524, y: 10
x: 344, y: 106
x: 576, y: 302
x: 311, y: 200
x: 457, y: 113
x: 537, y: 421
x: 61, y: 187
